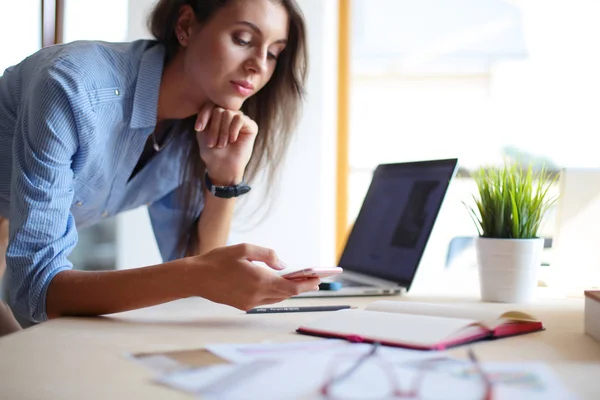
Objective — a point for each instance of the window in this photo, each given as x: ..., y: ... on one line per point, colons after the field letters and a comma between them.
x: 20, y: 31
x: 97, y: 245
x: 105, y: 20
x: 474, y: 79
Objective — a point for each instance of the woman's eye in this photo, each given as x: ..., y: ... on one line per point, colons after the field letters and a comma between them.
x: 272, y: 56
x: 241, y: 41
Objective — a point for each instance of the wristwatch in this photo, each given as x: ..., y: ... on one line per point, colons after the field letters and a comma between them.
x: 225, y: 192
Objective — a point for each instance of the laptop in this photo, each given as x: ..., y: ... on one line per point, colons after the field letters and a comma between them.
x: 388, y: 239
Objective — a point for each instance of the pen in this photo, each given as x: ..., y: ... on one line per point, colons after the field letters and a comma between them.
x: 273, y: 310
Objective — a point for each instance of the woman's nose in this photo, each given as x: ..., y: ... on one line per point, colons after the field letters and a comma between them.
x: 258, y: 63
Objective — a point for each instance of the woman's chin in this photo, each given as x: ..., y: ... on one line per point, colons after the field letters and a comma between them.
x: 229, y: 102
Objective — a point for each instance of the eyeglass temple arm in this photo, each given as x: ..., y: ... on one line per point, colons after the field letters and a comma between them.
x: 486, y: 379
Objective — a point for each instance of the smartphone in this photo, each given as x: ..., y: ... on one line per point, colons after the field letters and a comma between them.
x: 322, y: 272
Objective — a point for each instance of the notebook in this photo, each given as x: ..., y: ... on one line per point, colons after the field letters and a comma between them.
x: 420, y: 326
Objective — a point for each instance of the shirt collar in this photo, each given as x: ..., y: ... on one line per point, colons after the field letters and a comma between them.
x: 145, y: 100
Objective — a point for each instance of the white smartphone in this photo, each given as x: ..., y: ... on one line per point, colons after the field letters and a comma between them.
x: 317, y: 272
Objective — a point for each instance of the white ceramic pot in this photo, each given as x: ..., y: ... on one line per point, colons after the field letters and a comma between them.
x: 508, y: 268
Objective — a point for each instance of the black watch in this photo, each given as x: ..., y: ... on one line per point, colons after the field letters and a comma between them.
x: 225, y: 192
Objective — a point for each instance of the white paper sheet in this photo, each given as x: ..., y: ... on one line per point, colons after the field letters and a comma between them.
x: 301, y: 378
x: 278, y: 370
x: 247, y: 352
x: 215, y: 380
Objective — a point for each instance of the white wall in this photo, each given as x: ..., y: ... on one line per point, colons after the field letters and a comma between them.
x: 301, y: 224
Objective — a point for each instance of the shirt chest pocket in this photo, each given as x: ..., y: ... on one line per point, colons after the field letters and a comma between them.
x: 105, y: 95
x: 88, y: 200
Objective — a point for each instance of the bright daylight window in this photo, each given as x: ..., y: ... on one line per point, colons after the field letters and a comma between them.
x: 20, y: 31
x: 97, y: 245
x: 473, y: 79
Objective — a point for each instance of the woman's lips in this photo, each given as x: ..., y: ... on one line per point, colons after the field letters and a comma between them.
x: 243, y: 88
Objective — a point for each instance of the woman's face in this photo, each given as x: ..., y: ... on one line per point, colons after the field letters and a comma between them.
x: 234, y: 54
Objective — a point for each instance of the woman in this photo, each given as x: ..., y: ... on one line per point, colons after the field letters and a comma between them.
x: 91, y: 129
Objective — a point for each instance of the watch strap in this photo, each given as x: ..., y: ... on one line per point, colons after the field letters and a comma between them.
x: 225, y: 192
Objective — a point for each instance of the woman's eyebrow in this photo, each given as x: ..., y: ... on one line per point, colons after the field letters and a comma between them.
x: 256, y: 29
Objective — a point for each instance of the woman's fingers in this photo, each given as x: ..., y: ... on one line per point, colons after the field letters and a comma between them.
x: 223, y: 126
x: 215, y: 126
x: 282, y: 293
x: 236, y: 125
x: 226, y: 121
x: 203, y: 117
x: 250, y: 127
x: 252, y: 252
x: 287, y: 287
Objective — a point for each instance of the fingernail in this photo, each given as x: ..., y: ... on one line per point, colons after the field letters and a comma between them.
x: 199, y: 127
x: 316, y: 289
x: 280, y: 265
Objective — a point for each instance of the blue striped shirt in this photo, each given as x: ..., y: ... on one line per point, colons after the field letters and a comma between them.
x: 74, y: 120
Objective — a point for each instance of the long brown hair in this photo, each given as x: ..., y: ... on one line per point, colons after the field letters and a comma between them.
x: 275, y: 108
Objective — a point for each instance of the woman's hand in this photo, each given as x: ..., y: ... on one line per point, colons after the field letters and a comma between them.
x: 227, y: 275
x: 226, y: 139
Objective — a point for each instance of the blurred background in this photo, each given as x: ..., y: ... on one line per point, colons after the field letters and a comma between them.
x: 480, y: 80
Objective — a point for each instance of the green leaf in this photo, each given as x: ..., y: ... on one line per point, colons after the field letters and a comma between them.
x: 511, y: 201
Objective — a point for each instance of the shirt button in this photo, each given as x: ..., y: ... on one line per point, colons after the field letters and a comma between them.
x: 105, y: 214
x: 117, y: 92
x: 79, y: 204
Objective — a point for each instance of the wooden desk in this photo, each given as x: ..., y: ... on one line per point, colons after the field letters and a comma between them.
x: 83, y: 358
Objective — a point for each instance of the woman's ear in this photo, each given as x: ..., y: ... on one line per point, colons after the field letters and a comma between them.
x: 185, y: 21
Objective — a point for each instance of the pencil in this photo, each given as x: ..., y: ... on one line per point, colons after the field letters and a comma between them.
x: 274, y: 310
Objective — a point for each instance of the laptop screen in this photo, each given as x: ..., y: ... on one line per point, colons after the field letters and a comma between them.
x: 396, y: 219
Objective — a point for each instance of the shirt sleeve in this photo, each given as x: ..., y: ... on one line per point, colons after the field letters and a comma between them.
x: 42, y: 228
x: 165, y: 216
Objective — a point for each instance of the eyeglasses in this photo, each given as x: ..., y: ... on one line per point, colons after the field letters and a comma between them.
x: 372, y: 377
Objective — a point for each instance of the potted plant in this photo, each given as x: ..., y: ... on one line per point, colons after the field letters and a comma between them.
x: 510, y: 205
